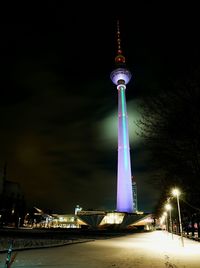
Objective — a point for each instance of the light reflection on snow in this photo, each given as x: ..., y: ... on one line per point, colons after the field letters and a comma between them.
x: 161, y: 241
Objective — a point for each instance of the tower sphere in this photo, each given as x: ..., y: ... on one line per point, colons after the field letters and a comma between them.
x: 120, y: 74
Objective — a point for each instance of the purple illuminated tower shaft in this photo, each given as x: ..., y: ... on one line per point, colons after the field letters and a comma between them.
x: 124, y: 181
x: 120, y: 77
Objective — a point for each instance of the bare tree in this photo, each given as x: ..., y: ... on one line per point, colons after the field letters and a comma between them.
x: 170, y: 126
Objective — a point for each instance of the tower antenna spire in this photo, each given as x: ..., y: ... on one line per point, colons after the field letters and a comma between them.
x: 119, y: 51
x: 119, y: 59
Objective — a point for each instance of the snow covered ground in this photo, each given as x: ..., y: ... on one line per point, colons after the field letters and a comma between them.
x: 142, y: 250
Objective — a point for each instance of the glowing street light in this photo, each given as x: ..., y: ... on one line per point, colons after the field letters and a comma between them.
x: 169, y: 208
x: 176, y: 193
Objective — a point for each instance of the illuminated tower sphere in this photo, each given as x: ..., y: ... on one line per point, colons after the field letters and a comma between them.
x: 120, y: 77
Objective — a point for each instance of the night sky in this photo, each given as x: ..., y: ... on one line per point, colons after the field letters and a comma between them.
x: 58, y: 106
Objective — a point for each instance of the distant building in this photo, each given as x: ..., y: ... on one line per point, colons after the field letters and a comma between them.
x: 66, y: 221
x: 37, y: 218
x: 1, y: 184
x: 77, y: 209
x: 12, y: 203
x: 92, y: 219
x: 100, y: 219
x: 2, y: 179
x: 134, y: 190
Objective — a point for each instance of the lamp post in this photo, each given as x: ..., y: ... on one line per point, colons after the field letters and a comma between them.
x: 169, y: 208
x: 18, y: 225
x: 176, y: 193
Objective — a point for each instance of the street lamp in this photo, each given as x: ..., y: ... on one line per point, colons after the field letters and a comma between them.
x: 176, y: 193
x: 169, y: 208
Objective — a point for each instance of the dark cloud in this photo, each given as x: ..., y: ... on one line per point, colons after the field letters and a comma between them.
x: 56, y: 96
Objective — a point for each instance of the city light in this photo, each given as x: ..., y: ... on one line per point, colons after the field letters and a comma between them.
x: 168, y: 207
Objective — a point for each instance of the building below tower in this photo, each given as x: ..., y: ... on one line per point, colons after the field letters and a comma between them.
x: 134, y: 190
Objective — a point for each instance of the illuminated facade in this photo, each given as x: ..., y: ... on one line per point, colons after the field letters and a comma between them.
x: 120, y: 77
x: 134, y: 190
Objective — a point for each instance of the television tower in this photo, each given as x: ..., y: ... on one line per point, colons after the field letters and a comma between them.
x: 120, y: 77
x: 134, y: 191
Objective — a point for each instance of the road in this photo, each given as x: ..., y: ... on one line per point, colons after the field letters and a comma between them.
x: 142, y: 250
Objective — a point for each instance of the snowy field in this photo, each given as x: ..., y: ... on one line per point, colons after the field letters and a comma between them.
x: 142, y: 250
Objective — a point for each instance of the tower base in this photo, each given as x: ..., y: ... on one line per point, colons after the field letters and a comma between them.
x: 117, y: 220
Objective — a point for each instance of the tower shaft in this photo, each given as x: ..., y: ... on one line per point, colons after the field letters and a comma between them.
x: 124, y: 181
